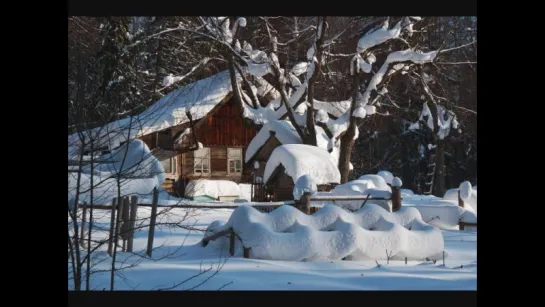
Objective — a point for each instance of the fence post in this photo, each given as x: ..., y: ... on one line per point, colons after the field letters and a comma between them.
x: 396, y: 198
x: 125, y: 226
x: 232, y: 243
x: 112, y: 226
x: 152, y: 221
x: 119, y: 221
x: 460, y: 204
x: 134, y: 208
x: 83, y: 217
x: 305, y: 203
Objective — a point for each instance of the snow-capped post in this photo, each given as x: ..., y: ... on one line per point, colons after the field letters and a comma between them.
x: 132, y: 221
x: 304, y: 188
x: 396, y: 194
x: 112, y: 226
x: 153, y: 217
x: 464, y: 193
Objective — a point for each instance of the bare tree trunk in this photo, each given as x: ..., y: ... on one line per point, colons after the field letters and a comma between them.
x: 439, y: 182
x: 347, y: 139
x: 311, y: 138
x: 91, y: 192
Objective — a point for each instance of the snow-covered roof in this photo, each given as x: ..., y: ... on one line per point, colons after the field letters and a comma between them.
x: 300, y: 159
x: 285, y: 133
x: 199, y: 98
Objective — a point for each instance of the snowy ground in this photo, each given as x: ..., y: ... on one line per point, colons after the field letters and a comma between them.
x: 179, y: 256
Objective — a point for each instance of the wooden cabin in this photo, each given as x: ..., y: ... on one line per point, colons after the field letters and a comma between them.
x: 196, y: 131
x: 213, y: 149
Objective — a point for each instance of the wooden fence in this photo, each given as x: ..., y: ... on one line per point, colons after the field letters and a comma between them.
x: 124, y: 213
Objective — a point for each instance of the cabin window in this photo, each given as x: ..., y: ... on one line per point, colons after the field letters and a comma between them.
x: 234, y: 156
x: 169, y: 165
x: 202, y: 161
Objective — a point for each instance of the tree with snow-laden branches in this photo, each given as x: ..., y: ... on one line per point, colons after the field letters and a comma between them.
x: 294, y: 88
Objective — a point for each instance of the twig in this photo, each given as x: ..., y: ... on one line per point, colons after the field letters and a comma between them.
x: 227, y: 284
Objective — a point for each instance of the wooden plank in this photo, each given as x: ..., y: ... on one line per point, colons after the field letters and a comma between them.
x: 215, y: 236
x: 461, y: 226
x: 132, y: 222
x: 272, y: 204
x: 119, y: 221
x: 125, y: 226
x: 153, y: 217
x: 112, y: 225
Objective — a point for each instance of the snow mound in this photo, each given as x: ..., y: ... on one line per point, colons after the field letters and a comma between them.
x: 471, y: 202
x: 356, y: 188
x: 443, y: 213
x: 212, y: 188
x: 378, y: 181
x: 133, y: 164
x: 388, y: 176
x: 396, y: 182
x: 332, y: 234
x: 465, y: 190
x: 299, y: 160
x: 304, y: 184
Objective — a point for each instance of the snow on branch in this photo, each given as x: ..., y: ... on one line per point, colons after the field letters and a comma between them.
x: 170, y: 79
x: 379, y: 36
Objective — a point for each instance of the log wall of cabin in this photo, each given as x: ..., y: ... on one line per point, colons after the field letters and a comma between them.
x: 225, y: 128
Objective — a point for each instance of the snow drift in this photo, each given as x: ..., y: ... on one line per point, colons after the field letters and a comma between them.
x: 136, y: 167
x: 331, y: 233
x: 212, y: 188
x: 379, y: 181
x: 470, y: 202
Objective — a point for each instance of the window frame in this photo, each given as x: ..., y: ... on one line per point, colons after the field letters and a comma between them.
x: 204, y: 161
x: 235, y: 158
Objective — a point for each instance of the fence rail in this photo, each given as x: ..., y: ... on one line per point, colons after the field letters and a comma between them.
x: 124, y: 212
